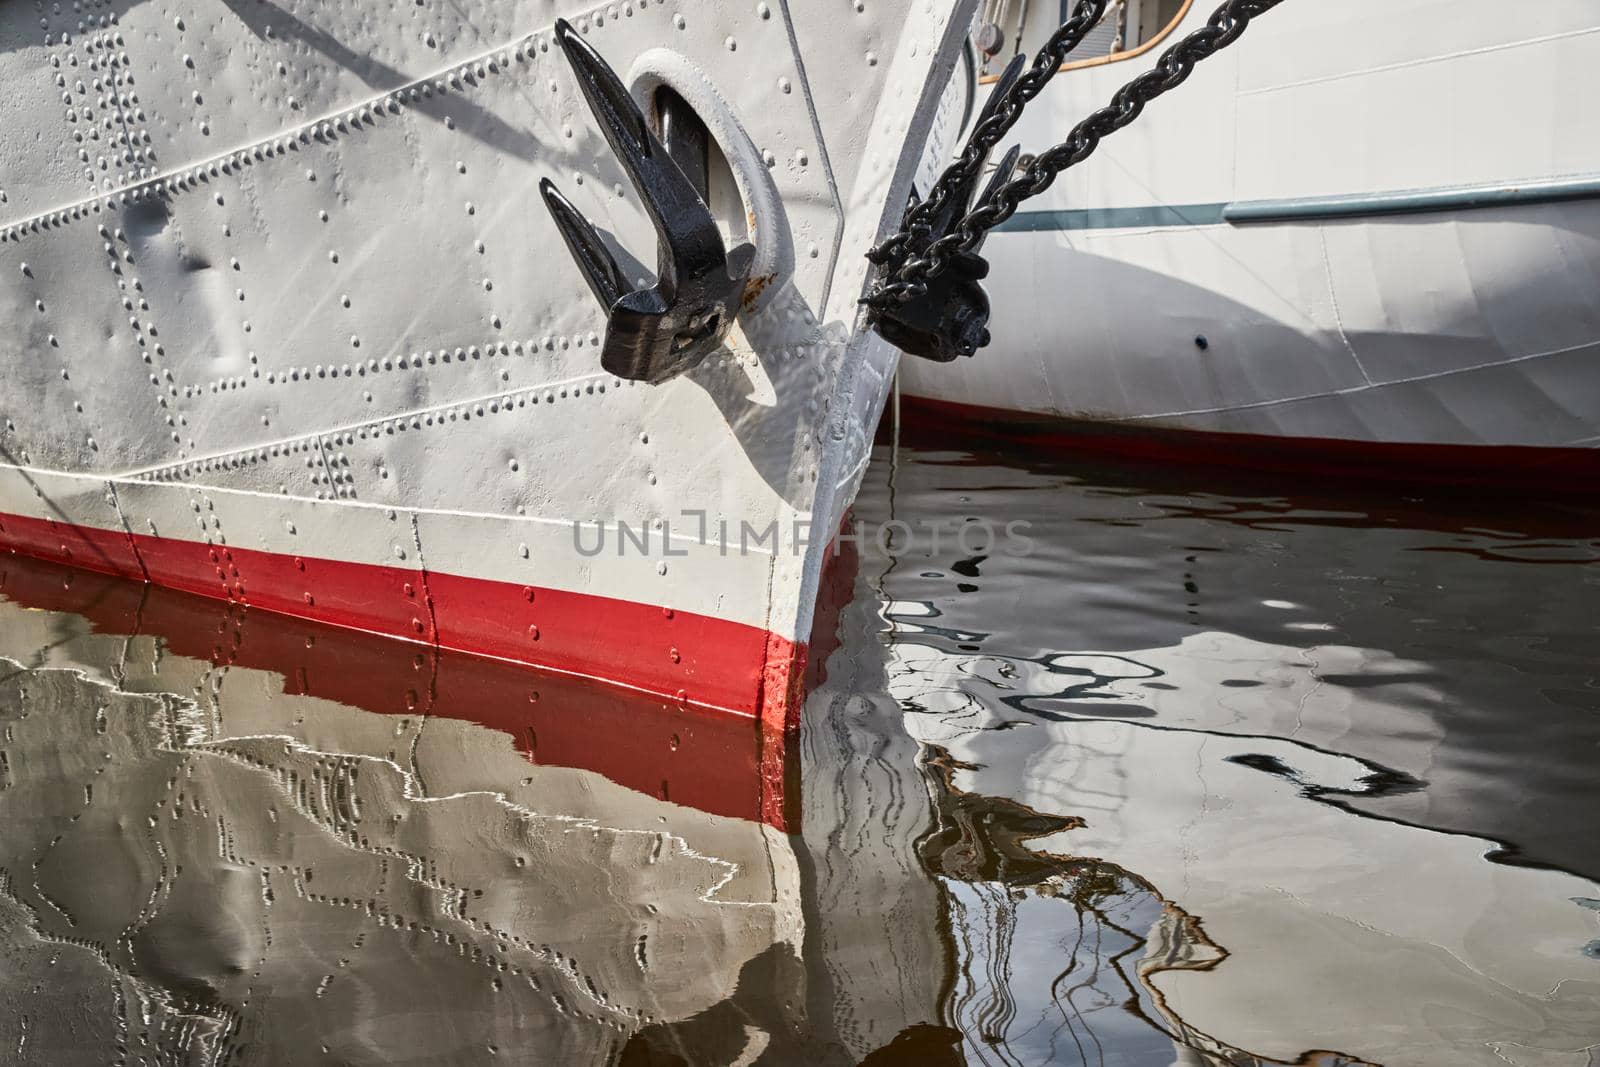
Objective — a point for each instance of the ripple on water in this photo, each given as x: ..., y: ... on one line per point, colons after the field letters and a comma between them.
x: 1193, y: 772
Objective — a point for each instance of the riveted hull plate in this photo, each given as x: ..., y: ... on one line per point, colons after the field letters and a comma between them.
x: 283, y: 323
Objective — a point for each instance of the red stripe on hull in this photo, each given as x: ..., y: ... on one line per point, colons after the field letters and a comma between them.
x: 1502, y: 467
x: 683, y: 657
x: 716, y: 763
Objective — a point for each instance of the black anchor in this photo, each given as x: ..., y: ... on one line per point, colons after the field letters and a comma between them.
x: 951, y: 317
x: 654, y: 334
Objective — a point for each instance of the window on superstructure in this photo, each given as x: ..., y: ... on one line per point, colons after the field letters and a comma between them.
x: 1003, y: 28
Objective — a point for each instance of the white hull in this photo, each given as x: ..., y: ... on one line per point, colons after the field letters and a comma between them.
x: 294, y: 329
x: 1271, y: 207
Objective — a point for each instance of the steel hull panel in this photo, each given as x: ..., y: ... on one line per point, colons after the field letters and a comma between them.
x: 690, y: 658
x: 319, y: 351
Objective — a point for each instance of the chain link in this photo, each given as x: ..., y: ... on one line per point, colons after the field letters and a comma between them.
x: 999, y: 116
x: 908, y: 269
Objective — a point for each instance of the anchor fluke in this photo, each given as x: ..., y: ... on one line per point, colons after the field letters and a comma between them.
x: 599, y: 267
x: 656, y: 333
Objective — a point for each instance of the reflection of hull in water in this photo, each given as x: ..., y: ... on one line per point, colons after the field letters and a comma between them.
x: 260, y: 865
x: 720, y: 764
x: 972, y: 875
x: 1363, y: 240
x: 1332, y: 932
x: 312, y: 869
x: 1383, y: 632
x: 940, y: 918
x: 1244, y: 702
x: 283, y: 322
x: 254, y: 868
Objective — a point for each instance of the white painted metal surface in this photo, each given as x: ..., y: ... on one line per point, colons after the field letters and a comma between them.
x: 1471, y: 325
x: 275, y: 277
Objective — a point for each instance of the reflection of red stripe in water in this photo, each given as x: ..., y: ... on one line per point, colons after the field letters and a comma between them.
x: 728, y: 765
x: 681, y: 656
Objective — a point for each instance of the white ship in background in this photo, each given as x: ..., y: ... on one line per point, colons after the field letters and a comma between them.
x: 1366, y: 238
x: 285, y: 320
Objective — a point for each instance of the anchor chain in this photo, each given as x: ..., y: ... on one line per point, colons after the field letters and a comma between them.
x: 1014, y: 89
x: 935, y: 235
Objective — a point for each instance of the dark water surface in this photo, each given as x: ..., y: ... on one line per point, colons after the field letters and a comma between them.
x: 1208, y: 773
